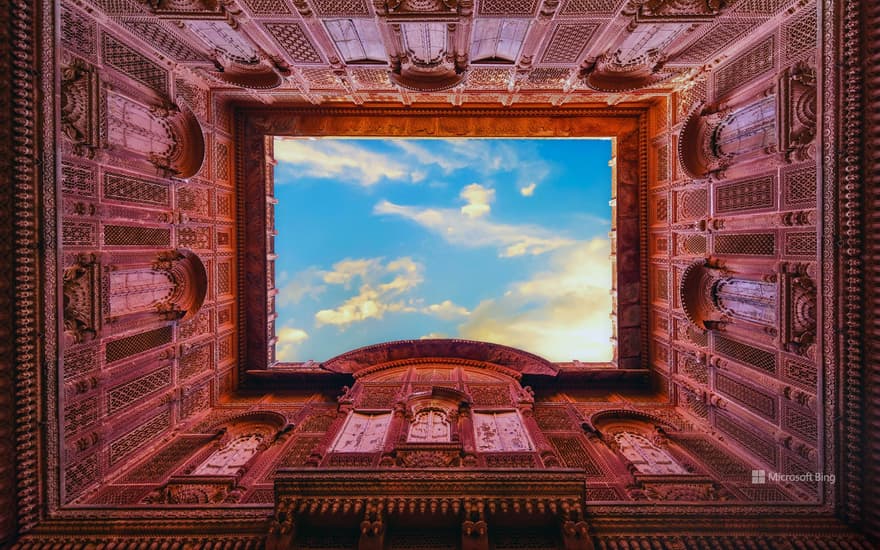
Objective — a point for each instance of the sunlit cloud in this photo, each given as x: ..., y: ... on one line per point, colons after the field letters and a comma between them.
x: 478, y: 199
x: 459, y: 229
x: 288, y: 340
x: 560, y: 314
x: 528, y: 190
x: 343, y: 162
x: 446, y: 310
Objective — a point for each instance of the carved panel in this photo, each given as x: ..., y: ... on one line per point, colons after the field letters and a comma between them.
x: 714, y: 39
x: 489, y: 395
x: 80, y: 414
x: 122, y: 395
x: 127, y: 188
x: 136, y: 235
x: 509, y: 8
x: 747, y: 396
x: 500, y: 432
x: 122, y: 348
x: 800, y: 34
x: 554, y: 419
x: 801, y: 373
x: 298, y: 452
x: 78, y: 32
x: 362, y: 433
x: 742, y: 70
x: 799, y: 186
x: 760, y: 359
x: 195, y: 400
x: 567, y: 42
x: 745, y: 244
x: 799, y: 243
x: 196, y: 360
x: 162, y: 39
x: 748, y: 195
x: 133, y: 64
x: 377, y: 396
x: 800, y: 423
x: 80, y: 476
x: 574, y: 455
x: 295, y: 42
x: 124, y: 445
x: 589, y: 7
x: 163, y: 463
x: 747, y: 437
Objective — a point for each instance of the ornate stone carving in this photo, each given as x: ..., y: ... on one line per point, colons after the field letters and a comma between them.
x: 79, y: 108
x: 799, y: 310
x: 797, y: 116
x: 82, y: 299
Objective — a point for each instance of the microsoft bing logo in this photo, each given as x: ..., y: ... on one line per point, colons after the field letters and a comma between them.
x: 759, y: 476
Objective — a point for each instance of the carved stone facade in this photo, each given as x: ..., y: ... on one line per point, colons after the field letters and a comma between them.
x: 143, y: 404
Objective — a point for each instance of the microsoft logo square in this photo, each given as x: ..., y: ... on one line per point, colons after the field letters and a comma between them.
x: 759, y: 476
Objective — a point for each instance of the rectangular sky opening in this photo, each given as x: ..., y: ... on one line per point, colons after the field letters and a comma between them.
x: 499, y: 240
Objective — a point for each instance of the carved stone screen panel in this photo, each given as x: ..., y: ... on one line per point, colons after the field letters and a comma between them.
x: 362, y: 433
x: 500, y: 432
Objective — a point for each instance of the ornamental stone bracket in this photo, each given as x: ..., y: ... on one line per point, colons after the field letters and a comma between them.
x: 798, y: 310
x: 79, y: 107
x: 82, y: 301
x: 473, y: 499
x: 797, y: 113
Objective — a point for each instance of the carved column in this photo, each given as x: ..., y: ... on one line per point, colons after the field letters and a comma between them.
x: 466, y: 431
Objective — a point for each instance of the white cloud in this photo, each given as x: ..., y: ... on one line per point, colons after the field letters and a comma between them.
x: 345, y: 271
x: 478, y: 199
x: 343, y: 161
x: 528, y: 190
x: 288, y: 340
x: 432, y: 335
x: 446, y: 310
x: 457, y: 228
x: 374, y: 298
x: 560, y: 314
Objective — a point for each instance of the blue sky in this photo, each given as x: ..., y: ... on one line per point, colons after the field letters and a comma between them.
x: 488, y: 239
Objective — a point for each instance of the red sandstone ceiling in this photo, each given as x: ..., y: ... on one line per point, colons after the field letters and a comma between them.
x: 455, y: 51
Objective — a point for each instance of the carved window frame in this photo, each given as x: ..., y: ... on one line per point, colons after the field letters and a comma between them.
x: 256, y: 128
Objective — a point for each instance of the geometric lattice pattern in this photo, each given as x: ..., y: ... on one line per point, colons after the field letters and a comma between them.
x: 746, y: 195
x: 745, y: 68
x: 129, y: 61
x: 743, y: 353
x: 291, y: 37
x: 567, y: 43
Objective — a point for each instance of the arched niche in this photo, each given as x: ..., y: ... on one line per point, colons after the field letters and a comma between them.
x: 171, y: 285
x: 712, y: 297
x: 212, y: 473
x: 432, y: 416
x: 640, y: 441
x: 713, y: 139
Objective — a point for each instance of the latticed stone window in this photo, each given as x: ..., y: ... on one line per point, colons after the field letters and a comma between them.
x: 646, y: 457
